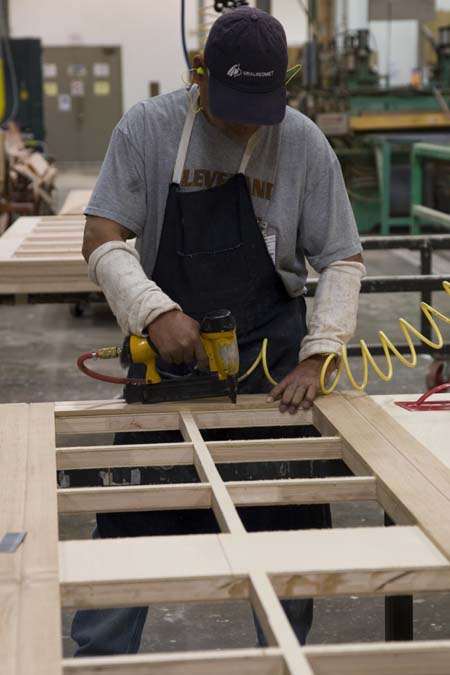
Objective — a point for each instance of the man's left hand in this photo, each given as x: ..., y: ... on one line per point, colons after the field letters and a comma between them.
x: 301, y: 386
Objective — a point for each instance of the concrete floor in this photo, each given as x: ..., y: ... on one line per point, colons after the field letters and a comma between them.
x: 39, y: 348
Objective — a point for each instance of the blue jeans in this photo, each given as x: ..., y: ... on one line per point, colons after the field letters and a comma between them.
x: 119, y: 631
x: 102, y: 632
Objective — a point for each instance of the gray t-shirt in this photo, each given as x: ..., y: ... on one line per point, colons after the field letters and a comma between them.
x: 293, y: 175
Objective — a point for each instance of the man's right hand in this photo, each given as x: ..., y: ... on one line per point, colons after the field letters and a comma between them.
x: 177, y: 338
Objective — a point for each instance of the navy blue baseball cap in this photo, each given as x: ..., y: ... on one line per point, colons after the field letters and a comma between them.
x: 246, y: 56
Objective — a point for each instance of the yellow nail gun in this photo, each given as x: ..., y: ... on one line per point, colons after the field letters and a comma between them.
x: 218, y: 334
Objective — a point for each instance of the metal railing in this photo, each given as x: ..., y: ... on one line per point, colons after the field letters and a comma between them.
x: 425, y: 283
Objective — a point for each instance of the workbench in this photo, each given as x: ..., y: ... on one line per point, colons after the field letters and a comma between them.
x: 396, y: 458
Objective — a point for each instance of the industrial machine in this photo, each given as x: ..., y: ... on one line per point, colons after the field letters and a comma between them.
x: 372, y: 126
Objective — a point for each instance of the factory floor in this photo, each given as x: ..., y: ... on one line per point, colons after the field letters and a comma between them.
x: 40, y: 344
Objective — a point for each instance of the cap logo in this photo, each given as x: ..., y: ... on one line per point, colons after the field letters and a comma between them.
x: 236, y: 71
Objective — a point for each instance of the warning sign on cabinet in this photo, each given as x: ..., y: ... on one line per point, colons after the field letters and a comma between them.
x: 102, y: 88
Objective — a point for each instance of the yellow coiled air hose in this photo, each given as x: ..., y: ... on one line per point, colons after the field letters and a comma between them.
x: 367, y: 358
x: 408, y: 330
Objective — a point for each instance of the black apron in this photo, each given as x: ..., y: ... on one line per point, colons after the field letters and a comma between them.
x: 213, y: 255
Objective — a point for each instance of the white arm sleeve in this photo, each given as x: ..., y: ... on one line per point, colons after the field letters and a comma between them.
x: 333, y: 320
x: 134, y: 299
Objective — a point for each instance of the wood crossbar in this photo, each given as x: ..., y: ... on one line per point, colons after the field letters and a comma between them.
x: 389, y: 466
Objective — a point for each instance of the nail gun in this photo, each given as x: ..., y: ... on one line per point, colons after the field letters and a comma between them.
x: 218, y: 334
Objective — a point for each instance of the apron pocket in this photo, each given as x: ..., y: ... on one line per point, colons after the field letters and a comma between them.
x: 224, y: 274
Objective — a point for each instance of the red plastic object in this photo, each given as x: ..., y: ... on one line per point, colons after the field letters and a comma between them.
x: 422, y: 404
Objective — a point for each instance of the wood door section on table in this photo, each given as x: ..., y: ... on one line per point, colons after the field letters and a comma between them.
x: 42, y: 255
x: 389, y: 465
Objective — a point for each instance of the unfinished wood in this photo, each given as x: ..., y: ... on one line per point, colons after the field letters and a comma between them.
x: 116, y: 415
x: 375, y: 560
x: 104, y: 456
x: 360, y: 426
x: 275, y: 624
x: 302, y: 491
x: 75, y: 202
x: 30, y: 638
x: 261, y: 567
x: 427, y: 428
x: 245, y: 403
x: 276, y: 450
x: 145, y: 570
x: 222, y: 504
x: 161, y: 454
x: 13, y: 434
x: 416, y: 453
x: 134, y: 498
x: 240, y: 661
x: 35, y: 249
x: 140, y: 420
x: 419, y: 658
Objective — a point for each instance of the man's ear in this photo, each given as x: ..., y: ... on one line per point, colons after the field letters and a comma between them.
x: 199, y: 68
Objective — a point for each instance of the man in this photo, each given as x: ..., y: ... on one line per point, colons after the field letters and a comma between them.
x: 227, y: 191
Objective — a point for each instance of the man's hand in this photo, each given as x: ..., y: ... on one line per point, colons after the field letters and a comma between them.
x: 177, y: 338
x: 301, y: 386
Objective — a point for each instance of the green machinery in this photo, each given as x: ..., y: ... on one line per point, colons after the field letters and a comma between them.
x: 373, y: 127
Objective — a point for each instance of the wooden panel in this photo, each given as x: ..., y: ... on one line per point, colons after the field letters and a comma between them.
x: 43, y: 255
x: 134, y: 498
x: 99, y: 456
x: 113, y: 573
x: 299, y: 563
x: 422, y: 658
x: 104, y: 456
x: 399, y: 462
x: 276, y: 450
x: 222, y: 503
x: 116, y: 415
x: 429, y: 429
x: 30, y: 638
x: 302, y: 491
x: 242, y: 662
x: 390, y: 465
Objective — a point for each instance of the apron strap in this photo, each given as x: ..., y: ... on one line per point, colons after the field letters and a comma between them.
x: 186, y: 137
x: 184, y: 142
x: 252, y: 141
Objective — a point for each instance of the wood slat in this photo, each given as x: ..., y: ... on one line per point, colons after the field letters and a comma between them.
x: 105, y: 456
x: 143, y: 570
x: 420, y: 658
x: 30, y: 637
x: 242, y: 662
x: 116, y: 415
x: 222, y: 504
x: 275, y: 624
x: 302, y: 491
x: 134, y: 498
x: 303, y: 449
x: 276, y: 450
